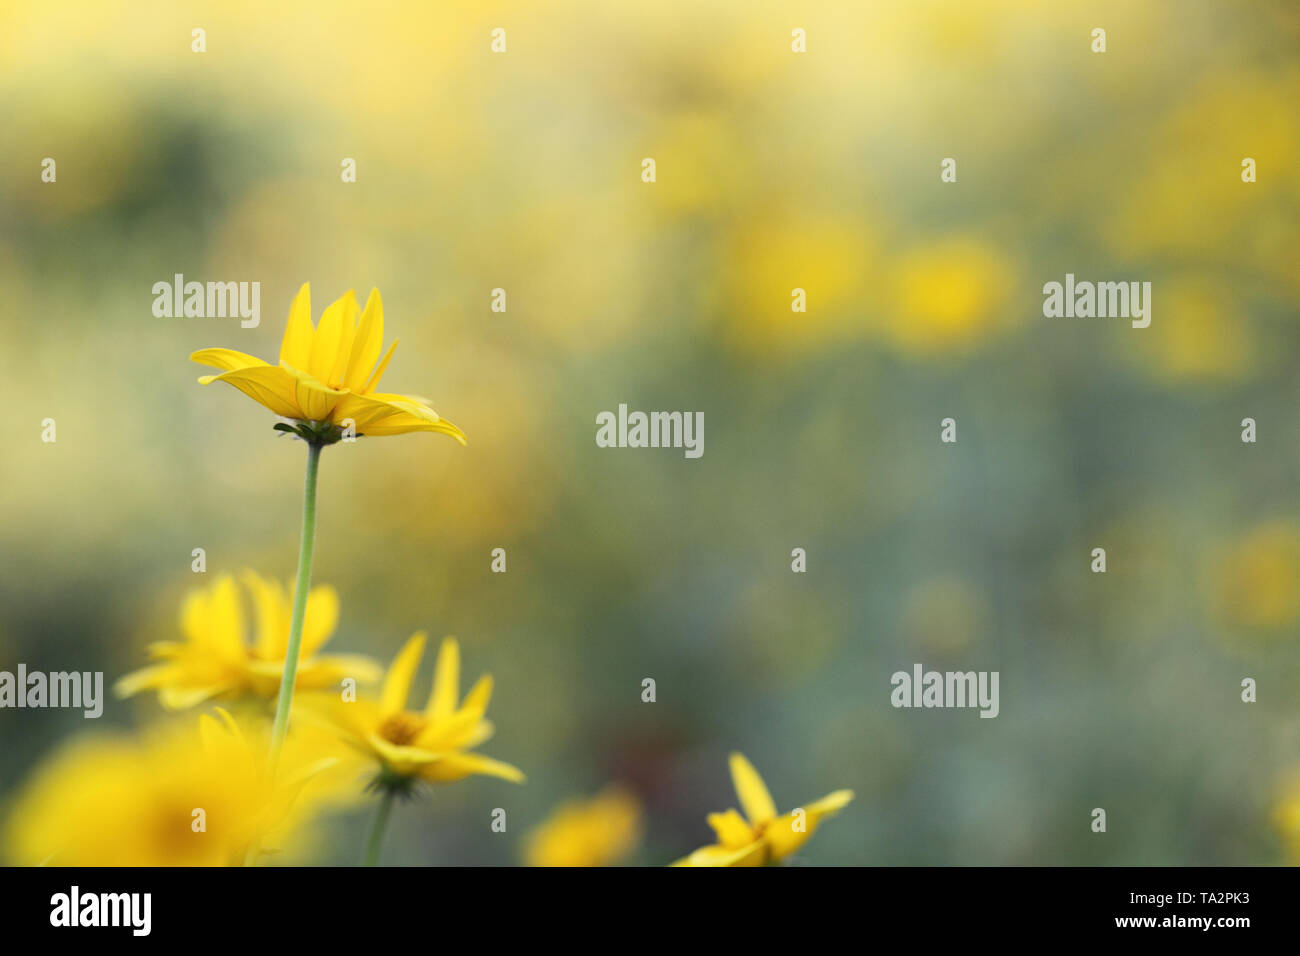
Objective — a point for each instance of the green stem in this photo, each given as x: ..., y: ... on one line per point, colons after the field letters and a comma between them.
x: 378, y: 827
x: 305, y: 549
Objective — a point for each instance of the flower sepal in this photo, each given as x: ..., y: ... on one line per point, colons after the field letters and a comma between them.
x: 314, y: 433
x: 403, y: 787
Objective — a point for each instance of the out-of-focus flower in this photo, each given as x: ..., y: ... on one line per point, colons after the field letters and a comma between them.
x: 180, y: 795
x: 949, y: 296
x: 1286, y: 817
x: 1196, y: 149
x: 432, y: 744
x: 760, y: 836
x: 830, y: 258
x: 1256, y: 583
x: 327, y: 374
x: 215, y: 660
x: 598, y: 831
x: 1204, y: 341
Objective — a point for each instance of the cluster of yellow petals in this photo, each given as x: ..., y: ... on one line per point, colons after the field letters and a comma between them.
x: 432, y: 744
x: 191, y: 794
x: 328, y: 373
x: 217, y: 661
x: 761, y: 836
x: 599, y: 831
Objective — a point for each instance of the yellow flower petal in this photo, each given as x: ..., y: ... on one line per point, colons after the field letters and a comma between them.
x: 790, y: 832
x: 731, y: 828
x: 463, y: 730
x: 752, y: 792
x: 372, y: 383
x: 476, y: 701
x: 400, y: 759
x: 328, y: 340
x: 228, y: 360
x: 272, y: 609
x: 450, y: 767
x: 446, y: 681
x: 479, y: 733
x: 829, y: 805
x: 401, y: 425
x: 351, y: 311
x: 385, y: 414
x: 353, y: 721
x: 319, y: 619
x: 183, y: 698
x: 755, y: 854
x: 329, y: 669
x: 397, y: 684
x: 784, y: 839
x: 268, y: 385
x: 366, y: 344
x: 315, y: 400
x: 220, y: 731
x: 295, y: 348
x: 146, y: 678
x: 223, y: 630
x: 315, y: 673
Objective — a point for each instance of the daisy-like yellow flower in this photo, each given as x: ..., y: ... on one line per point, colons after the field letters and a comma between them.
x: 327, y: 374
x: 216, y: 661
x: 432, y: 744
x: 595, y: 832
x: 175, y: 795
x: 761, y: 836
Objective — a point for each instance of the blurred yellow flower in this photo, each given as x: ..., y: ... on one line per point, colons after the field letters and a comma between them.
x: 1205, y: 343
x: 178, y: 795
x: 830, y: 258
x: 1256, y: 585
x: 431, y: 745
x: 949, y: 296
x: 1196, y: 148
x: 325, y: 373
x: 598, y: 831
x: 214, y: 660
x: 1286, y: 817
x: 760, y: 837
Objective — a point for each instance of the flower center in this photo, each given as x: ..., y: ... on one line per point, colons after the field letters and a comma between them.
x: 401, y: 728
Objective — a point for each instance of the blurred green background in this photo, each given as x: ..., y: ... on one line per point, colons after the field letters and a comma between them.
x: 775, y: 170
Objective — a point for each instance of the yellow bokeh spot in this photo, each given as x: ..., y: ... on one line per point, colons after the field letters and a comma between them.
x: 1258, y: 578
x: 950, y: 295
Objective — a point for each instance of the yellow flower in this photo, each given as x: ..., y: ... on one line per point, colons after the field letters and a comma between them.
x: 760, y: 836
x: 951, y: 295
x: 179, y: 795
x: 1286, y: 816
x: 595, y: 832
x: 325, y: 373
x: 432, y: 744
x: 215, y: 661
x: 1256, y: 581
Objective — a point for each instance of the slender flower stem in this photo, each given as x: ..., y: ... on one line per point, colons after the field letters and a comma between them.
x: 305, y: 549
x: 378, y: 827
